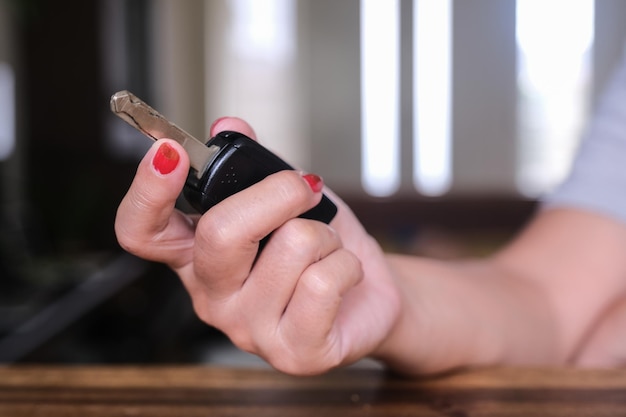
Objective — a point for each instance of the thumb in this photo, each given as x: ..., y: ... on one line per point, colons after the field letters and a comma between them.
x: 147, y: 224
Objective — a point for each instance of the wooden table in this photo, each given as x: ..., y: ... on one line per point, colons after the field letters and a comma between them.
x: 205, y: 391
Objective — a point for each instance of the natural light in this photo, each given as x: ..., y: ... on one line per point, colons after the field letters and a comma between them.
x: 7, y: 111
x: 263, y: 29
x: 554, y: 74
x: 380, y: 96
x: 380, y: 78
x: 432, y: 173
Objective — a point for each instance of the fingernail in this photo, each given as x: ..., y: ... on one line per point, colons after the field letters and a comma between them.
x: 166, y: 159
x: 315, y: 182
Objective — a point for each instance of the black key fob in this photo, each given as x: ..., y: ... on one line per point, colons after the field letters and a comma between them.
x: 239, y: 163
x: 221, y: 167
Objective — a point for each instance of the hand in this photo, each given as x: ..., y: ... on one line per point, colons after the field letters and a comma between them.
x: 317, y: 297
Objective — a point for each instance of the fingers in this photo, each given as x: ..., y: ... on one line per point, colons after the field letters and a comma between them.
x: 284, y: 303
x: 147, y: 224
x: 318, y: 294
x: 286, y: 311
x: 228, y: 235
x: 319, y: 291
x: 310, y: 334
x: 234, y: 124
x: 292, y: 249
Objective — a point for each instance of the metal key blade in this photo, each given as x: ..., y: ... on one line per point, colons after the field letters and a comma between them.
x: 152, y: 124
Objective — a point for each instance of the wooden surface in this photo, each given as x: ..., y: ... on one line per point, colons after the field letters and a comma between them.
x: 205, y: 391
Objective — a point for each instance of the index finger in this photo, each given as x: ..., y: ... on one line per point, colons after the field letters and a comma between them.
x: 232, y: 123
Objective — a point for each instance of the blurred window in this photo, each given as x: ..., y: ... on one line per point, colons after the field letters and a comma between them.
x: 7, y: 111
x: 380, y: 96
x: 432, y: 83
x: 554, y: 41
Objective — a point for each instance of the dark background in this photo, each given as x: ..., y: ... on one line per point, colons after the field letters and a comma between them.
x: 57, y: 228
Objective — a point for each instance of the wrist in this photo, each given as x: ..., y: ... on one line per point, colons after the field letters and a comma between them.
x: 444, y: 322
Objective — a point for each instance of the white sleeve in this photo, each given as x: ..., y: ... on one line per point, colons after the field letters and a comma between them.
x: 597, y: 181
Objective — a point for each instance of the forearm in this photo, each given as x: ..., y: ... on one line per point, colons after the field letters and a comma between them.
x: 466, y: 314
x: 577, y: 257
x: 535, y: 301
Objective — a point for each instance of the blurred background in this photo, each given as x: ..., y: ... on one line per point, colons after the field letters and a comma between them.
x: 440, y: 122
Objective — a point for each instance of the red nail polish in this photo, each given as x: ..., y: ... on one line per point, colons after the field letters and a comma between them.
x: 166, y: 159
x: 315, y: 182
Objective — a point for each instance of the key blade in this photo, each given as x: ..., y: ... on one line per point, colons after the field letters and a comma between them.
x: 152, y: 124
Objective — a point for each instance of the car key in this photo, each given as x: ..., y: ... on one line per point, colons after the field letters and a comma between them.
x: 220, y: 167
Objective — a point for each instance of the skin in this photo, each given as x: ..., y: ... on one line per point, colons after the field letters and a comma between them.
x: 321, y: 296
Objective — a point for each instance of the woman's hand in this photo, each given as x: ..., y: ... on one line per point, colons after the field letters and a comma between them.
x: 318, y: 296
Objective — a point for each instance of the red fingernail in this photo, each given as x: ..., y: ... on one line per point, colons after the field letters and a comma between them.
x: 166, y: 159
x: 315, y: 182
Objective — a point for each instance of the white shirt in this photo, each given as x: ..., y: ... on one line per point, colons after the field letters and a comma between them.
x: 597, y: 181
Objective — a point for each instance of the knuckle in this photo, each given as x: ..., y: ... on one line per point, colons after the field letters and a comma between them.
x: 299, y: 233
x: 212, y: 231
x: 205, y: 310
x: 322, y: 283
x: 142, y: 199
x: 316, y: 284
x: 306, y: 238
x: 291, y: 187
x: 353, y: 262
x: 242, y: 340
